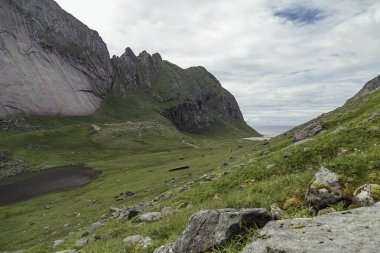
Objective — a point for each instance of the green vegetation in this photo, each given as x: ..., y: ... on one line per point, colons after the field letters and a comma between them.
x: 135, y: 149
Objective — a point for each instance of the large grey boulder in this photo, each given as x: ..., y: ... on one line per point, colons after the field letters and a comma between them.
x: 325, y: 190
x: 93, y: 227
x: 50, y: 62
x: 357, y: 230
x: 308, y: 131
x: 139, y: 240
x: 210, y: 228
x: 149, y: 217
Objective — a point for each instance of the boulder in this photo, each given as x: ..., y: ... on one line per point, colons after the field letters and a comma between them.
x: 168, y: 248
x: 357, y: 230
x: 325, y: 190
x: 93, y: 227
x: 308, y: 131
x: 366, y: 195
x: 210, y: 228
x: 58, y: 242
x: 149, y: 217
x: 81, y: 242
x: 141, y: 241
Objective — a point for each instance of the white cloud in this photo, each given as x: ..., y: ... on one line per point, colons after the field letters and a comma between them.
x: 280, y: 71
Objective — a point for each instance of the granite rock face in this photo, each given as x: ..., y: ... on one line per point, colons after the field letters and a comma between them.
x: 192, y: 98
x: 356, y: 230
x: 50, y: 63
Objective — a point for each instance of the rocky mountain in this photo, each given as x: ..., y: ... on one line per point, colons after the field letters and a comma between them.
x: 193, y: 99
x: 52, y: 64
x: 369, y: 87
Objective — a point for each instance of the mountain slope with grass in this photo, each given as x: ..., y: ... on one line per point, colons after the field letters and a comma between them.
x: 137, y: 156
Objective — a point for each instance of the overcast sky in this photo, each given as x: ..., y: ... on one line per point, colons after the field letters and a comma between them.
x: 285, y: 61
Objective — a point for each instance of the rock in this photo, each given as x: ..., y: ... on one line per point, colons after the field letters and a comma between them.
x: 125, y: 195
x: 102, y: 237
x: 149, y: 217
x: 166, y: 211
x: 325, y: 190
x: 58, y: 242
x: 81, y: 242
x: 94, y: 226
x: 210, y: 228
x: 168, y: 248
x: 288, y: 154
x: 276, y: 212
x: 169, y: 181
x: 67, y: 226
x: 52, y: 64
x: 223, y: 165
x: 237, y: 167
x: 182, y: 167
x: 308, y: 131
x: 374, y: 116
x: 142, y: 242
x: 366, y: 195
x: 357, y: 230
x: 270, y: 166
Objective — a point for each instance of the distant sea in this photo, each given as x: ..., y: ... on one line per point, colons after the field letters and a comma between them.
x: 271, y: 129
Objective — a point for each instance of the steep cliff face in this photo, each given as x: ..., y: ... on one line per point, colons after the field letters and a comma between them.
x: 192, y: 98
x: 50, y: 63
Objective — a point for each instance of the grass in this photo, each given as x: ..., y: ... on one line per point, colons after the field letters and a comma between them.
x: 135, y: 152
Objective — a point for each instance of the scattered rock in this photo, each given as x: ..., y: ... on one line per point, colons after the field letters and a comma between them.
x: 166, y: 211
x: 94, y: 226
x: 223, y: 165
x: 276, y: 212
x: 288, y: 154
x: 58, y: 242
x: 81, y: 242
x: 374, y: 116
x: 210, y: 228
x: 325, y: 190
x: 169, y: 181
x: 270, y: 166
x: 182, y: 167
x: 308, y: 131
x: 168, y: 248
x: 366, y: 195
x: 125, y: 195
x: 67, y: 226
x: 357, y: 230
x: 149, y: 217
x: 141, y: 241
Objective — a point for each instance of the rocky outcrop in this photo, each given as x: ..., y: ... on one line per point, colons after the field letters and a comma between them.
x: 50, y: 63
x: 192, y: 98
x: 369, y: 87
x: 356, y: 230
x: 308, y: 131
x: 325, y: 190
x: 210, y: 228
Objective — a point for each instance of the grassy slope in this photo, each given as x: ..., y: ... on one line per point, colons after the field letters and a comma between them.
x: 137, y: 158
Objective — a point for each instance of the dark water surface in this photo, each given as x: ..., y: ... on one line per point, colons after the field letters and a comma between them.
x: 24, y: 187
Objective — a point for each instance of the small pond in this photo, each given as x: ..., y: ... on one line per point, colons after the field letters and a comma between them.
x: 24, y: 187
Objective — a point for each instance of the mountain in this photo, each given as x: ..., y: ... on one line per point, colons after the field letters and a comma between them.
x: 369, y: 87
x: 52, y: 64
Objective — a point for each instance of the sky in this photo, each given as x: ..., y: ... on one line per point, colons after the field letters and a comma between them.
x: 285, y: 61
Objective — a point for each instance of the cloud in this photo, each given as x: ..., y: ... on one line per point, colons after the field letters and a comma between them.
x: 286, y: 61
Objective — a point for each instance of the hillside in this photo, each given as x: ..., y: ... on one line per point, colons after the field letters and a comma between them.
x: 136, y: 156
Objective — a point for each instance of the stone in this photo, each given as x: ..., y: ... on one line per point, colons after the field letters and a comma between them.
x: 366, y: 195
x: 270, y: 166
x: 182, y: 167
x: 356, y: 230
x: 67, y: 226
x: 141, y: 241
x: 211, y: 228
x: 287, y: 154
x: 325, y: 190
x: 94, y: 226
x: 149, y: 217
x: 166, y: 211
x: 276, y: 212
x: 125, y: 195
x: 308, y: 131
x: 58, y: 242
x: 81, y: 242
x: 168, y: 248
